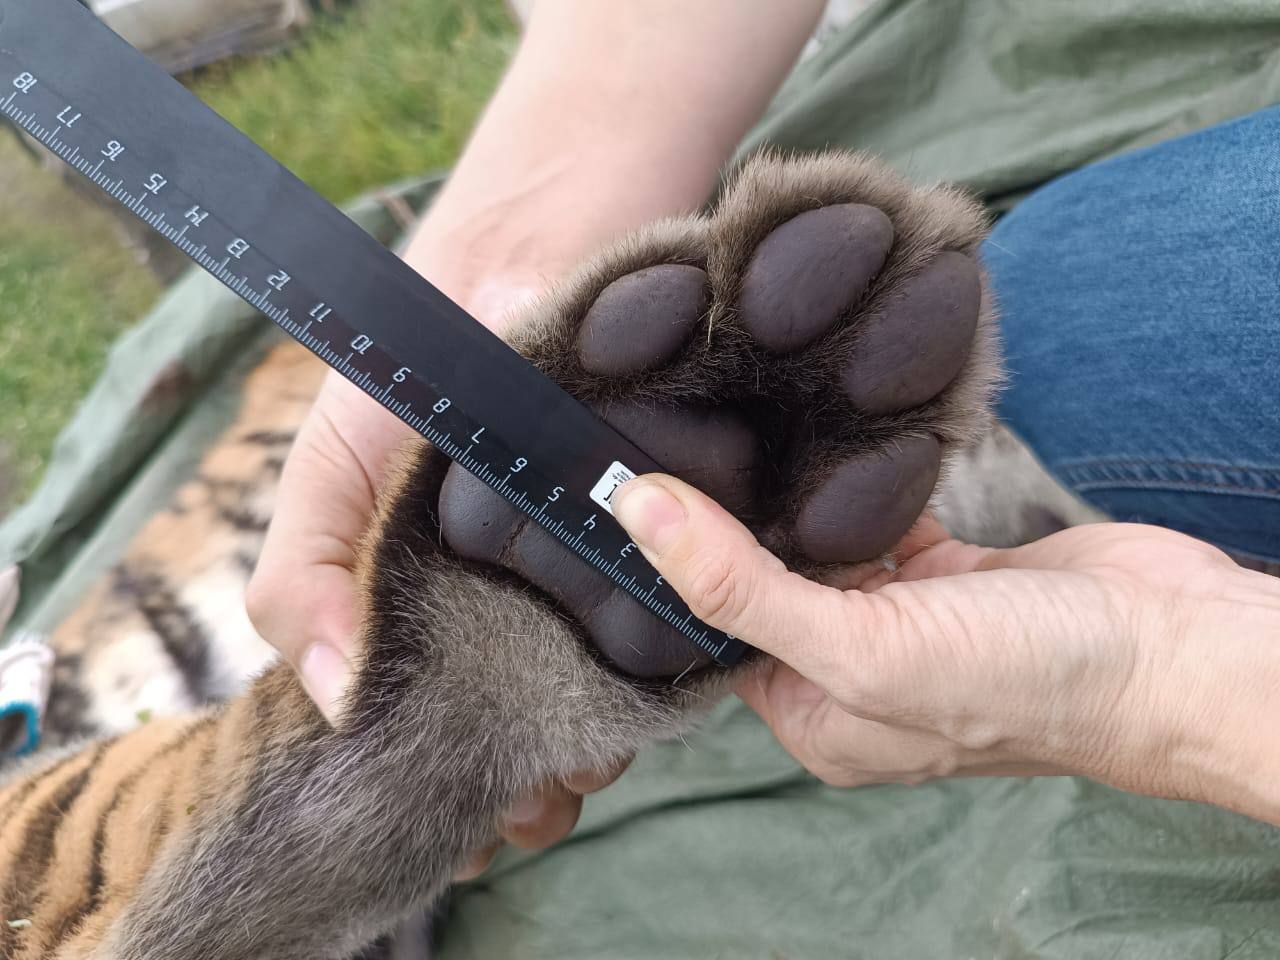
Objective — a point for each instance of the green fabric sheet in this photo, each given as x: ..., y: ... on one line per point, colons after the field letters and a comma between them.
x: 718, y: 846
x: 171, y: 386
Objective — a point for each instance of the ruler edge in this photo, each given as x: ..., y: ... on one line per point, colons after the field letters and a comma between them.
x: 731, y: 651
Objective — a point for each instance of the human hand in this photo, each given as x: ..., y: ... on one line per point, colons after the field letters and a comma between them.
x: 1130, y: 654
x: 303, y: 596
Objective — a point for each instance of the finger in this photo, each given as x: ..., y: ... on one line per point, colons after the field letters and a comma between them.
x: 591, y: 781
x: 302, y: 596
x: 864, y: 576
x: 927, y: 532
x: 792, y: 707
x: 840, y: 748
x: 731, y: 582
x: 308, y: 613
x: 946, y: 559
x: 543, y: 819
x: 478, y: 863
x: 777, y: 691
x: 303, y: 589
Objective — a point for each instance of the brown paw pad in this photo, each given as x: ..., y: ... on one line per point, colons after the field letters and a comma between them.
x: 642, y: 319
x: 918, y: 342
x: 808, y: 272
x: 869, y: 502
x: 810, y: 416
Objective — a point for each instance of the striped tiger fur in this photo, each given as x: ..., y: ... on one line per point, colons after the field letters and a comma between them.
x: 166, y: 630
x: 253, y: 829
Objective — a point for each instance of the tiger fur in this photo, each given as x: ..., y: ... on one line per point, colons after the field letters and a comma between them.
x: 254, y: 829
x: 173, y: 607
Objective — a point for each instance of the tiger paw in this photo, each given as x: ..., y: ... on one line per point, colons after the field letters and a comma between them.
x: 806, y: 354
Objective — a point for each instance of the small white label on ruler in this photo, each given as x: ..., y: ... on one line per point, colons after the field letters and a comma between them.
x: 614, y: 477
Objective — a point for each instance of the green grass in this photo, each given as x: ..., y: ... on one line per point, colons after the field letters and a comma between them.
x: 67, y: 289
x: 388, y: 90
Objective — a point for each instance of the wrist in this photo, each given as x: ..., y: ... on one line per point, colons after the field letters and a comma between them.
x: 489, y: 276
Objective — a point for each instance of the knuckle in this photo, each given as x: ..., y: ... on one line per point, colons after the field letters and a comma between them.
x: 835, y: 764
x: 841, y: 778
x: 256, y: 603
x: 873, y: 684
x: 266, y: 603
x: 863, y: 687
x: 259, y: 601
x: 719, y: 591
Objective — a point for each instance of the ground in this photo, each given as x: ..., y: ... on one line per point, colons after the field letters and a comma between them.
x: 387, y: 91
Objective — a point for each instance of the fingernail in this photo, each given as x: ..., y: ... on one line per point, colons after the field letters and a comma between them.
x: 650, y: 514
x: 527, y: 810
x: 325, y: 673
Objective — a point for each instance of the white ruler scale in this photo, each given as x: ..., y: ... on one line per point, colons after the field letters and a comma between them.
x: 127, y: 126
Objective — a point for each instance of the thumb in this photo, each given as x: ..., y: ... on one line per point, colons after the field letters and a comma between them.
x: 307, y: 612
x: 733, y: 583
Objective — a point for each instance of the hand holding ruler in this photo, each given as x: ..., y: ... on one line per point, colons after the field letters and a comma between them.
x: 135, y: 132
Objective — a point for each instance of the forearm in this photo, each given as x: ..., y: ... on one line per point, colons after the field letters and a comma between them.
x: 611, y: 116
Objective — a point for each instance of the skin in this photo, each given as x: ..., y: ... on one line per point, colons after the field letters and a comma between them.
x: 1129, y: 654
x: 652, y: 96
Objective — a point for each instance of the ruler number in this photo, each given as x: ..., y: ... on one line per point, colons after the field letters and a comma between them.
x: 79, y: 85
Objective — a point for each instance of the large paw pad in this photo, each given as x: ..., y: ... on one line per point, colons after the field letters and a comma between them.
x: 805, y: 355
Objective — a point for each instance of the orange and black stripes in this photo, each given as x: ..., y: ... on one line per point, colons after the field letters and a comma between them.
x: 150, y: 634
x: 79, y: 835
x: 79, y: 888
x: 61, y: 824
x: 173, y: 623
x: 37, y: 825
x: 12, y: 797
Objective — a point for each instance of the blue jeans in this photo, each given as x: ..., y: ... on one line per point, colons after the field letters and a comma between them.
x: 1141, y: 315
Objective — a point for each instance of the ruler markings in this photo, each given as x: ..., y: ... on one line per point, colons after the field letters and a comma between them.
x: 226, y: 193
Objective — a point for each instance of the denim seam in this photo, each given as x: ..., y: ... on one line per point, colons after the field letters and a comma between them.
x: 1072, y: 462
x: 1220, y: 534
x: 1178, y: 486
x: 1166, y: 475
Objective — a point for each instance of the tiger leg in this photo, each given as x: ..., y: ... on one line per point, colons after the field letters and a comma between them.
x: 808, y: 353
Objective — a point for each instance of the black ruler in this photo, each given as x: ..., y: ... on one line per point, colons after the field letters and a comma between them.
x: 140, y: 136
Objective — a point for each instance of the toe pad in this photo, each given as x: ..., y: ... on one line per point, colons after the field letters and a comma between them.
x: 917, y: 344
x: 640, y: 320
x: 868, y: 503
x: 809, y: 271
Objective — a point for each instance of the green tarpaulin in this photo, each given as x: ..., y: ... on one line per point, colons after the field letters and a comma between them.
x: 718, y: 846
